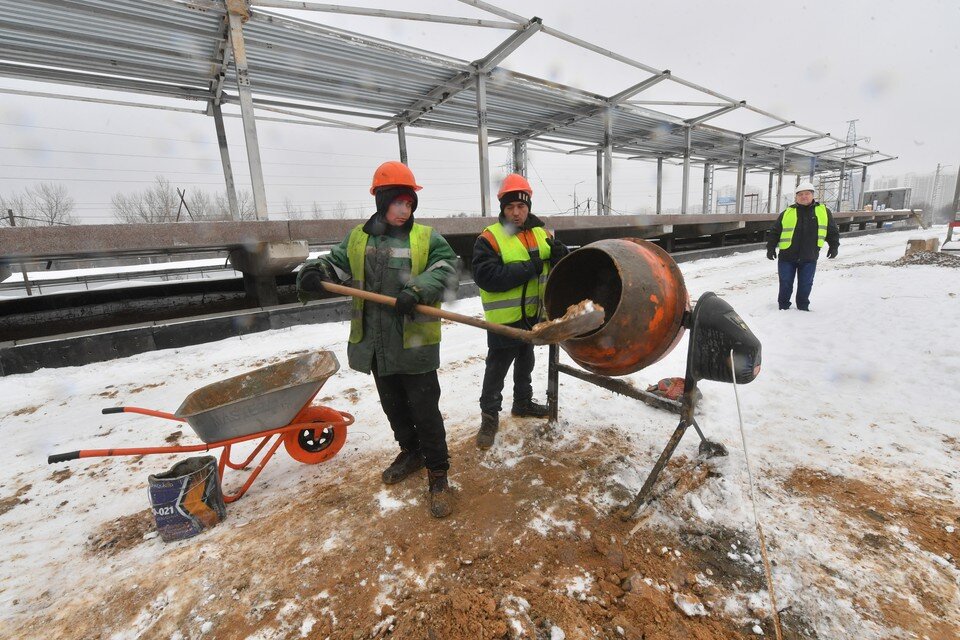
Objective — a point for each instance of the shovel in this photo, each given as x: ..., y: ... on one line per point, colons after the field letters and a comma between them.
x: 579, y: 318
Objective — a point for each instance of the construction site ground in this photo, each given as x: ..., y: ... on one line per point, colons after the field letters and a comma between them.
x: 853, y: 443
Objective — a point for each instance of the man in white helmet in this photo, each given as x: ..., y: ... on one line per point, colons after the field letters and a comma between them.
x: 799, y: 233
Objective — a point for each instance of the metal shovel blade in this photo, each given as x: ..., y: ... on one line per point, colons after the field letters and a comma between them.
x: 580, y: 318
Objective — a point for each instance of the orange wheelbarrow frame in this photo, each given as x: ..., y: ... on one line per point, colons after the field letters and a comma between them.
x: 316, y: 434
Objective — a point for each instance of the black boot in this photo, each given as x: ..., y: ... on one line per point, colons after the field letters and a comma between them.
x: 439, y: 494
x: 529, y: 409
x: 406, y: 463
x: 489, y: 423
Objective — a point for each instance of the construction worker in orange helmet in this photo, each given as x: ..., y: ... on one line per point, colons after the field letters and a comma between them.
x: 511, y: 260
x: 395, y: 256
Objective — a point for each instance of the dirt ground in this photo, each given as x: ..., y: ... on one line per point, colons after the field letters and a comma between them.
x: 527, y: 554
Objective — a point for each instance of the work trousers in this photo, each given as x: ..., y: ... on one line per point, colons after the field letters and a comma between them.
x: 411, y: 403
x: 498, y: 362
x: 803, y: 272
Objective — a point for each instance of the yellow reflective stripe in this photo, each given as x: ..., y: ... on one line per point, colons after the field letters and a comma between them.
x: 356, y: 252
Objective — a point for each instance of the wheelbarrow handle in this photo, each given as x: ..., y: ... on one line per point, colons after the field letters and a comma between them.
x: 146, y: 412
x: 63, y: 457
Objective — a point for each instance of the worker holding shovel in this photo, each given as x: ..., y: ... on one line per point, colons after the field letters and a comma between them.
x: 391, y: 254
x: 511, y: 260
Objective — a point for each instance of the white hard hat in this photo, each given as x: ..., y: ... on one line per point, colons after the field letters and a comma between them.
x: 806, y: 185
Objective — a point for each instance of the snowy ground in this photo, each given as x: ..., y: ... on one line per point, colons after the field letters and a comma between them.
x: 853, y: 429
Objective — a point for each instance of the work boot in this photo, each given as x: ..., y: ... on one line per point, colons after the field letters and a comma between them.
x: 489, y: 423
x: 406, y: 463
x: 439, y: 494
x: 529, y: 409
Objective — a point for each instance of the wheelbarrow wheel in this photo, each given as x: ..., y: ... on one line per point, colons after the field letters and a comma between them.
x: 318, y: 443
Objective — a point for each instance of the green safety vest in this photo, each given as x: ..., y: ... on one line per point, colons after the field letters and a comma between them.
x: 790, y: 223
x: 504, y: 307
x: 421, y: 330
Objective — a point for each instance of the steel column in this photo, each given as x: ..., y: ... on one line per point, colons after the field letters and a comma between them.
x: 599, y: 182
x: 402, y: 139
x: 608, y: 164
x: 520, y: 156
x: 685, y: 189
x: 783, y: 162
x: 482, y: 142
x: 707, y: 204
x: 863, y: 188
x: 659, y: 184
x: 246, y: 111
x: 741, y: 174
x: 770, y: 193
x: 843, y: 173
x: 225, y: 160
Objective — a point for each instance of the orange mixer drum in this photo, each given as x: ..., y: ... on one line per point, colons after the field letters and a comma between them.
x: 643, y: 296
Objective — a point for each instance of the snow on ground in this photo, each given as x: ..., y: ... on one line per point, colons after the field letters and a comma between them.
x: 856, y: 395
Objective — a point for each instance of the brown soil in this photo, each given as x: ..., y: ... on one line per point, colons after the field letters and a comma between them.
x: 936, y: 258
x: 524, y: 551
x: 884, y: 517
x: 25, y: 411
x: 9, y: 502
x: 146, y: 386
x: 123, y: 533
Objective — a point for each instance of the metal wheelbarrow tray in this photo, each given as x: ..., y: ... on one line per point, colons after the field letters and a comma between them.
x: 266, y: 402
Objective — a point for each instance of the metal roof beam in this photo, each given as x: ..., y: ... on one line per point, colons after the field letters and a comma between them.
x: 714, y: 114
x: 826, y: 151
x: 640, y: 86
x: 497, y: 11
x: 796, y: 143
x: 763, y: 132
x: 438, y: 95
x: 382, y: 13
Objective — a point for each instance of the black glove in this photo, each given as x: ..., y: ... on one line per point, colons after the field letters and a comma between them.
x: 406, y: 301
x: 312, y: 278
x: 557, y: 250
x: 771, y: 254
x: 832, y: 252
x: 536, y: 263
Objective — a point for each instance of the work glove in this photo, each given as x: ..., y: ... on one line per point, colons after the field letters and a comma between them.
x: 312, y: 277
x: 832, y: 252
x: 557, y: 250
x: 771, y: 254
x: 536, y: 264
x: 406, y: 301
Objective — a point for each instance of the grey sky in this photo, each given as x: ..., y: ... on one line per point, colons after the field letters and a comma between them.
x: 892, y: 65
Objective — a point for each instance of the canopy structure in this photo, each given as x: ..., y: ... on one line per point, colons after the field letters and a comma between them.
x: 235, y: 52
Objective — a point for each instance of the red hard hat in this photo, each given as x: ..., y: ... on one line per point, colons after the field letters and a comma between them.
x: 514, y: 182
x: 393, y: 174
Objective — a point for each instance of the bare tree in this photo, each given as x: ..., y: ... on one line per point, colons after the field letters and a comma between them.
x: 293, y: 211
x: 221, y: 206
x: 45, y: 204
x: 158, y: 203
x: 200, y: 205
x: 340, y: 210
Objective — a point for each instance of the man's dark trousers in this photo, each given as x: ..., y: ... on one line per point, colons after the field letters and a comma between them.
x: 498, y: 362
x: 803, y: 272
x: 411, y: 404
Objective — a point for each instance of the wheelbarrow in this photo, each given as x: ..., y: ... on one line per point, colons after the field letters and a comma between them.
x: 257, y: 405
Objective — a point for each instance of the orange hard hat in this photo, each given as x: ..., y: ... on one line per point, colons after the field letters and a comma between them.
x: 393, y: 174
x: 514, y: 182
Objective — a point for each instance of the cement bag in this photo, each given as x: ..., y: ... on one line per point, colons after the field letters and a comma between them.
x: 187, y: 499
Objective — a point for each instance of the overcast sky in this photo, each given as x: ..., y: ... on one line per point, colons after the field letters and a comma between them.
x: 892, y: 65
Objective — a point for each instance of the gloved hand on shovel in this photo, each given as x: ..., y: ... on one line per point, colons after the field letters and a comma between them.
x: 406, y: 301
x: 311, y: 279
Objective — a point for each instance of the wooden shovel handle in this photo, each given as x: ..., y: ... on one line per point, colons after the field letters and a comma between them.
x: 510, y: 332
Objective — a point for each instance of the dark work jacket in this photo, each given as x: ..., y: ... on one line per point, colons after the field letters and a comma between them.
x: 490, y: 273
x: 804, y: 246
